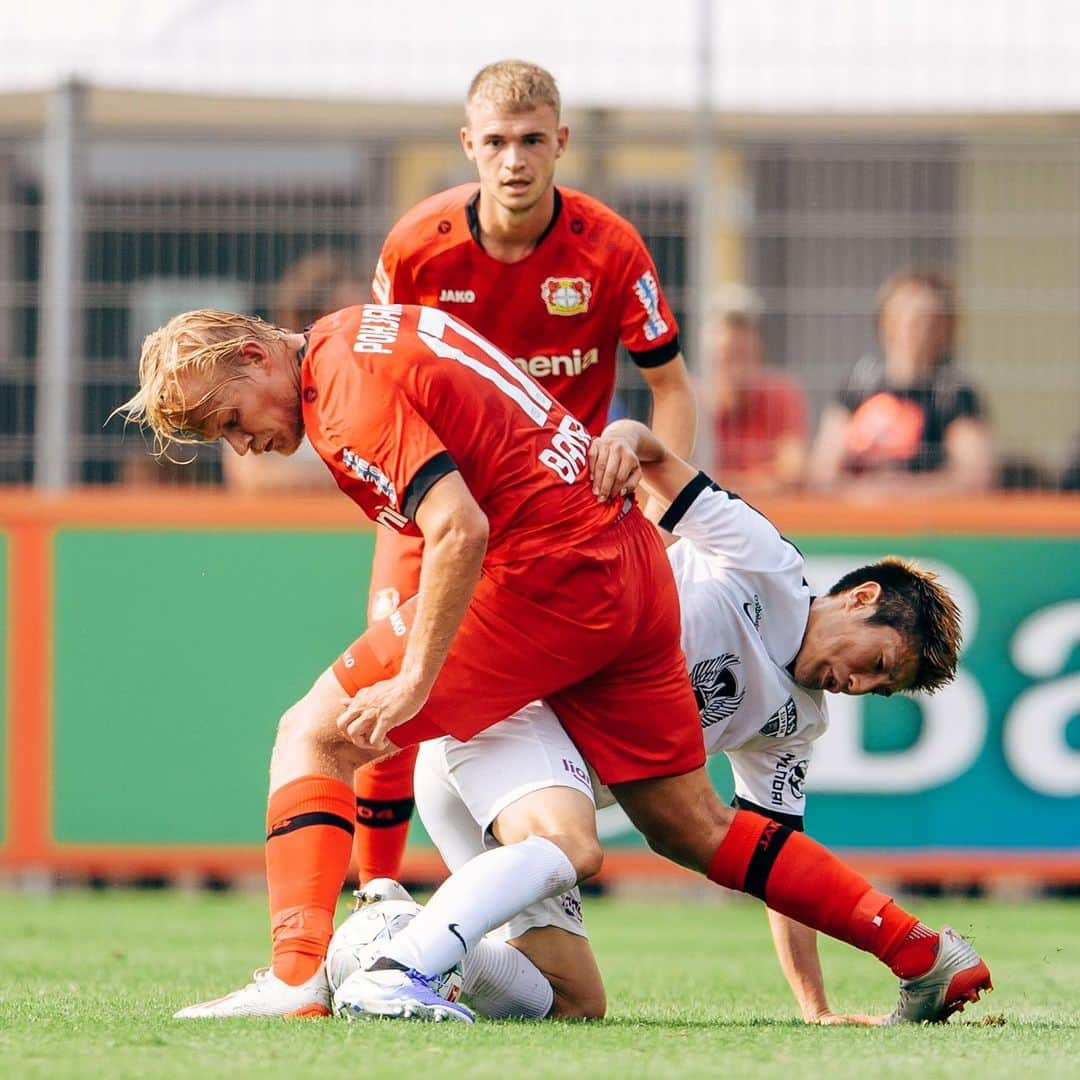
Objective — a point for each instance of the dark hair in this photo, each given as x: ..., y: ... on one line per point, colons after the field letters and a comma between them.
x: 915, y: 604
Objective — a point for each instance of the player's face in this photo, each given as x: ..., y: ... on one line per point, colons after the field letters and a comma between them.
x: 255, y: 410
x: 844, y: 653
x: 514, y: 152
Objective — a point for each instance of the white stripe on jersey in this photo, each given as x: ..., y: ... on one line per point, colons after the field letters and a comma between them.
x: 527, y: 394
x: 380, y: 285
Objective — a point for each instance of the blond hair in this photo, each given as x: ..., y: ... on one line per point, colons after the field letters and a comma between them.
x: 919, y: 608
x: 514, y: 85
x: 205, y: 343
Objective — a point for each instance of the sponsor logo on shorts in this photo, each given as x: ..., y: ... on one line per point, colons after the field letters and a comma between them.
x: 369, y: 473
x: 566, y: 295
x: 572, y: 906
x: 717, y: 687
x: 789, y: 775
x: 457, y: 296
x: 577, y: 772
x: 783, y: 722
x: 648, y: 294
x: 397, y: 624
x: 383, y: 602
x: 348, y: 659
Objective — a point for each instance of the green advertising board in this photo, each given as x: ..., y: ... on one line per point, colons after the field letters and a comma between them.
x: 176, y: 652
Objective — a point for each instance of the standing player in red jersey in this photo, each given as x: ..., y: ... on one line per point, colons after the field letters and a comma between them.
x: 537, y: 580
x: 556, y: 279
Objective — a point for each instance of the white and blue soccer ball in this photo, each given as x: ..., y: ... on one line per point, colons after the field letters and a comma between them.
x: 364, y: 935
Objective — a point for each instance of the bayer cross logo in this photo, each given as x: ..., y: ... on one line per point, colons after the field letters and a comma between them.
x: 716, y: 687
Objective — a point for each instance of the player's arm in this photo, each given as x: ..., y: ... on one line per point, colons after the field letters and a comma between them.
x: 628, y: 453
x: 674, y: 407
x: 455, y: 532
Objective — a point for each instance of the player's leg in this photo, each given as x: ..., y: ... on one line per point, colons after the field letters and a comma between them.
x: 384, y: 789
x: 567, y: 963
x: 682, y: 818
x: 511, y: 779
x: 309, y: 831
x: 538, y: 964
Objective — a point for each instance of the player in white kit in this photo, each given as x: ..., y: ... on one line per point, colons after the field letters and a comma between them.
x: 761, y: 651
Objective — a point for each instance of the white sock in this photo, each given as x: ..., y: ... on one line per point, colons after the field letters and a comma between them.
x: 503, y: 983
x: 479, y: 896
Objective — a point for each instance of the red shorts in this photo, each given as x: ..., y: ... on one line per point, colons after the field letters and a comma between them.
x: 395, y: 572
x: 594, y: 631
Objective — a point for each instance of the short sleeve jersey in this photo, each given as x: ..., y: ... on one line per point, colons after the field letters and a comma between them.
x: 395, y: 397
x: 559, y: 313
x: 745, y: 605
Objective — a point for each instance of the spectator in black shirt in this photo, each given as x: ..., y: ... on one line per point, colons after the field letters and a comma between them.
x: 908, y: 420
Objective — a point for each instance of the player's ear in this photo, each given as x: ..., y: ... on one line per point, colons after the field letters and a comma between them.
x: 562, y: 139
x: 254, y: 352
x: 865, y: 595
x: 467, y: 143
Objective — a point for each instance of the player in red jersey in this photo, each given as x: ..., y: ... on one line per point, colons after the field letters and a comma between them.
x: 557, y: 280
x: 537, y: 580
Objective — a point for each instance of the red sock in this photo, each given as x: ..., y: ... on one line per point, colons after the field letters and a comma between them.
x: 309, y: 831
x: 799, y: 878
x: 384, y: 804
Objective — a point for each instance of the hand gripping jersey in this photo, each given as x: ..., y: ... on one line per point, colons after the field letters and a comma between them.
x: 396, y: 397
x: 744, y: 609
x: 559, y: 313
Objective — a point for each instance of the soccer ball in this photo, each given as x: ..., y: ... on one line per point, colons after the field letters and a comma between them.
x: 361, y: 938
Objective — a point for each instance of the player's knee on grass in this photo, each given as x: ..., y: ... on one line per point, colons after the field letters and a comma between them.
x: 565, y: 816
x: 567, y: 962
x: 681, y: 817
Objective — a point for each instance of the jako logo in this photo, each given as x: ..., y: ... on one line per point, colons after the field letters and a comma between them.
x: 457, y: 296
x: 539, y: 367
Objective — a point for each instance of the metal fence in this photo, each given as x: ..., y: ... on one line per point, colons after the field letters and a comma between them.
x: 165, y: 220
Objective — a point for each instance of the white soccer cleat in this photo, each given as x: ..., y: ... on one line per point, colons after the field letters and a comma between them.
x: 957, y: 976
x: 380, y: 888
x: 395, y: 994
x: 267, y: 995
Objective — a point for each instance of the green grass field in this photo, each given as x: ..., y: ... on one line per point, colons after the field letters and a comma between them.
x: 88, y: 982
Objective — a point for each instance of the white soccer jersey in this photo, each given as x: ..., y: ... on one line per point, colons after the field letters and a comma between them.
x: 744, y: 609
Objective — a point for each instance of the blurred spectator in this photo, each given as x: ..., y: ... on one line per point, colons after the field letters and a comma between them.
x: 758, y: 415
x: 908, y: 420
x: 313, y: 286
x: 1070, y: 475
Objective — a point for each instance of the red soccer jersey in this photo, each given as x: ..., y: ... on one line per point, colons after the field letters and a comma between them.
x: 396, y: 397
x: 559, y: 313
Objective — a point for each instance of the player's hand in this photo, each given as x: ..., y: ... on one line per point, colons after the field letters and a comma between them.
x: 850, y: 1018
x: 613, y: 467
x: 378, y: 709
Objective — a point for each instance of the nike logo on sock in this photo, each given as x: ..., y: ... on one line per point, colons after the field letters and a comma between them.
x: 453, y: 928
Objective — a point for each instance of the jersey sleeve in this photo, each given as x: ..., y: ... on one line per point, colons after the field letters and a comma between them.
x: 772, y: 781
x: 647, y: 326
x: 381, y: 442
x: 720, y: 523
x: 392, y: 283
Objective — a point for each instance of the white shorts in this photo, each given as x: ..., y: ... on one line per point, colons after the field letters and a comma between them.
x: 461, y: 787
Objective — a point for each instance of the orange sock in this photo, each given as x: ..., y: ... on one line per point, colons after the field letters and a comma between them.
x: 384, y: 805
x: 805, y: 881
x: 309, y: 833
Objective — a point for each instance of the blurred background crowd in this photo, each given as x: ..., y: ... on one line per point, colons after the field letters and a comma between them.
x: 872, y: 246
